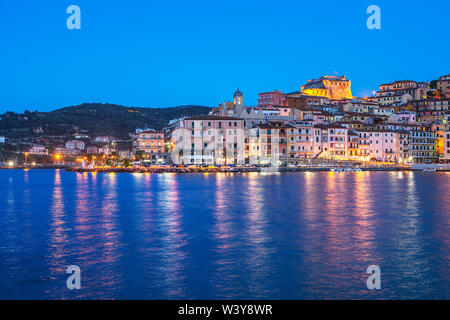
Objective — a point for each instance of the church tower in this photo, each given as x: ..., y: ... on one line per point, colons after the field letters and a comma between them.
x: 238, y: 102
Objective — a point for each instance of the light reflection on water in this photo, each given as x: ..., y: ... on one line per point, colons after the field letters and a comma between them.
x: 208, y: 236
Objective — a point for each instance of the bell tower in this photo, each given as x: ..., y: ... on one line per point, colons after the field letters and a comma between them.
x: 238, y: 102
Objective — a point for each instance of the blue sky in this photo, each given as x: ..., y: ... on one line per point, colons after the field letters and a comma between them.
x: 167, y: 53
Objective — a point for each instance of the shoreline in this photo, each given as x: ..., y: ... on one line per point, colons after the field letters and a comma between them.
x: 219, y: 170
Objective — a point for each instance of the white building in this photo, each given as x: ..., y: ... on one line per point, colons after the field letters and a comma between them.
x: 75, y: 144
x: 209, y: 140
x: 38, y: 150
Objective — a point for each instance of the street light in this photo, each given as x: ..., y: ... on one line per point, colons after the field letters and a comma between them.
x: 26, y: 158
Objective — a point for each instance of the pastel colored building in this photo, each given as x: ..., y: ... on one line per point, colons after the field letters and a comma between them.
x: 381, y: 145
x: 149, y: 141
x: 403, y: 117
x: 330, y: 141
x: 422, y: 147
x: 446, y: 154
x: 393, y: 98
x: 300, y: 141
x: 271, y: 99
x: 353, y: 144
x: 272, y: 143
x: 208, y: 140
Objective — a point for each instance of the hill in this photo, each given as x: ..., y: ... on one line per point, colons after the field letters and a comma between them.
x: 95, y: 119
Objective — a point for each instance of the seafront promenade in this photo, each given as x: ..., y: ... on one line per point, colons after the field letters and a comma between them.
x: 226, y: 169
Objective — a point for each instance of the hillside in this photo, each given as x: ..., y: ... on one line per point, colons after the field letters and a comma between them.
x: 94, y: 119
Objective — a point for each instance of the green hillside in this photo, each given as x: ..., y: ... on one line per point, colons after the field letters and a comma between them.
x: 93, y: 119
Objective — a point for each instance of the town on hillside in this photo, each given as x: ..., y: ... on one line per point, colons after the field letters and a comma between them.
x: 405, y: 123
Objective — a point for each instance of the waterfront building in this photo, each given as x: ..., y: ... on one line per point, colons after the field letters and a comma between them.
x: 439, y: 142
x: 422, y: 147
x: 446, y: 144
x: 38, y: 150
x: 271, y: 99
x: 332, y: 87
x: 300, y: 140
x: 381, y: 145
x: 272, y: 143
x: 209, y: 140
x: 403, y: 146
x: 330, y: 141
x: 75, y: 144
x: 148, y: 141
x: 353, y: 144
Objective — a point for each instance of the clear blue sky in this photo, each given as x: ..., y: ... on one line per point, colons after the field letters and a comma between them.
x: 166, y: 53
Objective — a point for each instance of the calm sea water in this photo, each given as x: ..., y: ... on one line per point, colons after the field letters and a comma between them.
x: 224, y: 236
